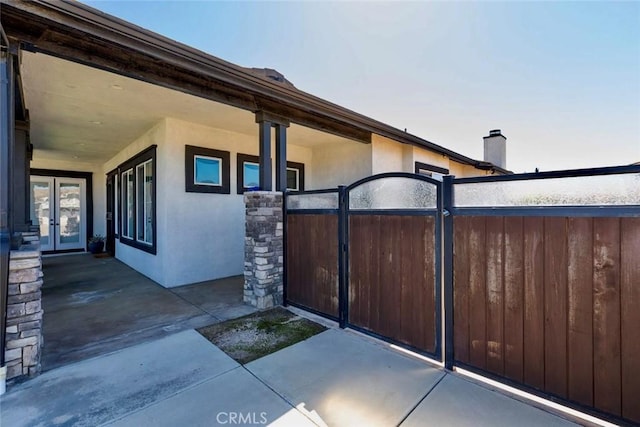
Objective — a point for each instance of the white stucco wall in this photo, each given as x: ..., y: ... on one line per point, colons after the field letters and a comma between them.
x: 339, y: 164
x: 200, y: 235
x: 150, y: 265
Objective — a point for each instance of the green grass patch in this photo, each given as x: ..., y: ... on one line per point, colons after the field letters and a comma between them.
x: 257, y: 335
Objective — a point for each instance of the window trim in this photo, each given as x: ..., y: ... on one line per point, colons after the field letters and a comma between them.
x: 300, y: 168
x: 124, y: 203
x: 242, y: 158
x: 191, y: 186
x: 140, y: 159
x: 426, y: 167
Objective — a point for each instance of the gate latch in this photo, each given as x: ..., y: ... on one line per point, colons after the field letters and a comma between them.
x: 445, y: 212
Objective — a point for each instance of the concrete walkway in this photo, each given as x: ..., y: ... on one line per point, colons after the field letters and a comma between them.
x: 94, y: 306
x: 336, y: 378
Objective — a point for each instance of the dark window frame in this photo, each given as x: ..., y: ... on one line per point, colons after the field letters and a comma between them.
x: 190, y: 153
x: 241, y: 158
x: 140, y: 158
x: 419, y: 166
x: 300, y: 168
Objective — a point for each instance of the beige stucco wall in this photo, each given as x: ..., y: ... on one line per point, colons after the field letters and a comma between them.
x: 391, y: 156
x: 387, y: 155
x: 460, y: 170
x: 339, y: 164
x: 429, y: 157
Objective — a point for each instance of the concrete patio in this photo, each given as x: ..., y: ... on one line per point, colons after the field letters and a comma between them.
x: 336, y: 378
x: 94, y: 306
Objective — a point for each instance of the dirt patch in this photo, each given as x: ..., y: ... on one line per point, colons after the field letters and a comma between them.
x: 252, y: 337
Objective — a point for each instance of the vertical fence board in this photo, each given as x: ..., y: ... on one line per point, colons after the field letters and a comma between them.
x: 356, y: 249
x: 392, y: 277
x: 391, y: 235
x: 630, y: 312
x: 461, y: 255
x: 514, y: 298
x: 495, y: 293
x: 477, y: 294
x: 534, y: 302
x: 427, y: 289
x: 580, y: 304
x: 606, y: 314
x: 312, y: 262
x: 409, y: 311
x: 379, y: 252
x: 555, y: 301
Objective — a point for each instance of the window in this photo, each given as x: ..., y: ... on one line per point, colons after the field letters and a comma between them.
x: 248, y: 174
x: 138, y: 200
x: 144, y: 203
x: 116, y: 205
x: 434, y: 172
x: 251, y: 174
x: 295, y: 176
x: 127, y: 204
x: 206, y: 170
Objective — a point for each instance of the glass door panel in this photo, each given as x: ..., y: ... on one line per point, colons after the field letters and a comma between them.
x: 58, y: 208
x: 70, y: 209
x: 42, y: 210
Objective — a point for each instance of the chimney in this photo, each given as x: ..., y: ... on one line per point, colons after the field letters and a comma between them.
x: 495, y: 148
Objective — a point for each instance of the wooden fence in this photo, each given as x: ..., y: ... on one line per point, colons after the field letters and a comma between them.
x: 312, y: 262
x: 392, y: 283
x: 552, y: 303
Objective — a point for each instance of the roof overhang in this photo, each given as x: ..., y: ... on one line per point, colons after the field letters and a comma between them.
x: 79, y: 33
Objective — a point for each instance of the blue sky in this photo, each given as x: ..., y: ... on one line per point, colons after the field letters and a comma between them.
x: 561, y: 79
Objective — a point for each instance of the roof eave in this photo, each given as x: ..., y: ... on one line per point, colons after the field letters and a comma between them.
x: 80, y: 17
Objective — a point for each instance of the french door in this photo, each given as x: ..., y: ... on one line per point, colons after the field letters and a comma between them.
x: 58, y: 206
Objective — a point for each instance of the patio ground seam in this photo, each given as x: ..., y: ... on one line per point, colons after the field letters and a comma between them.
x: 278, y: 394
x: 189, y: 302
x: 423, y: 398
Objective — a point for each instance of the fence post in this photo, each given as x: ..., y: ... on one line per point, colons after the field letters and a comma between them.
x: 284, y: 247
x: 342, y: 257
x: 447, y: 195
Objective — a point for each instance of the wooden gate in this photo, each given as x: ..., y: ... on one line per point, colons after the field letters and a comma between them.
x: 393, y: 251
x: 545, y: 277
x: 542, y: 275
x: 312, y: 251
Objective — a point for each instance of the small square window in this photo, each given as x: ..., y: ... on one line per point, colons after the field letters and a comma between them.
x: 207, y: 170
x: 251, y: 175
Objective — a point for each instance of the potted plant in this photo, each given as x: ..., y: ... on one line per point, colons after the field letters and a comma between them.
x: 96, y: 244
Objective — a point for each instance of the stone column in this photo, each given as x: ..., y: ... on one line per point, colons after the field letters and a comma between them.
x: 24, y: 309
x: 263, y: 249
